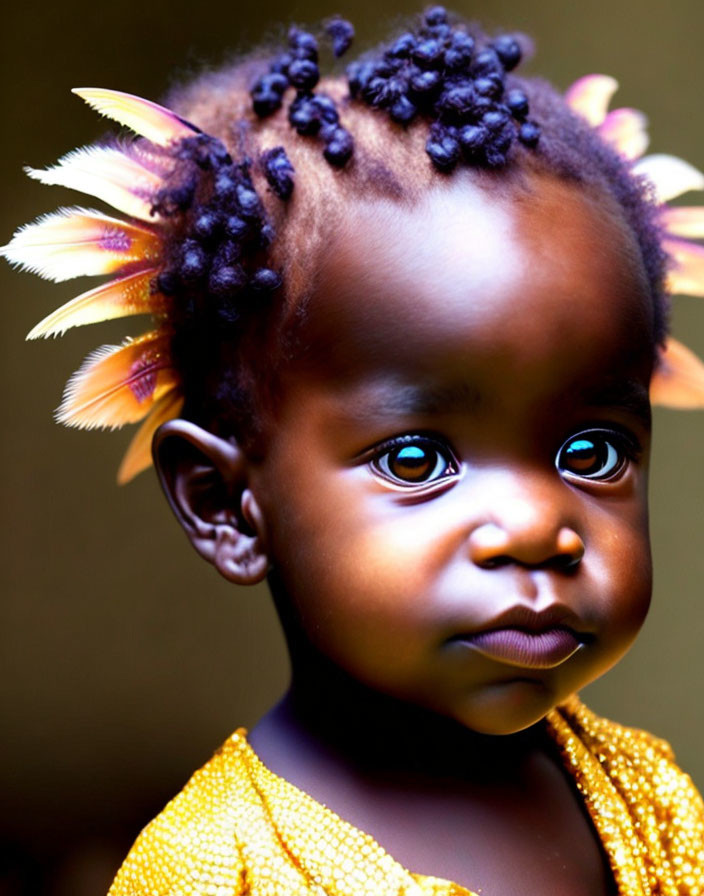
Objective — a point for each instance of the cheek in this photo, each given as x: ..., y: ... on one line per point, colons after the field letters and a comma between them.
x: 362, y: 567
x: 621, y: 572
x: 359, y: 573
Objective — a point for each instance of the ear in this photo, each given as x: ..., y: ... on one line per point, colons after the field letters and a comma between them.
x: 204, y: 478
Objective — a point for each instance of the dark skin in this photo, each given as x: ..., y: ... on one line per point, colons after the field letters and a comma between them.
x: 464, y: 432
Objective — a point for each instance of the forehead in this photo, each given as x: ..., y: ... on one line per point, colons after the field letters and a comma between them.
x: 471, y: 281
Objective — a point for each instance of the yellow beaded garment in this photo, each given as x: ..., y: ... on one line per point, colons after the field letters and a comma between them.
x: 237, y: 828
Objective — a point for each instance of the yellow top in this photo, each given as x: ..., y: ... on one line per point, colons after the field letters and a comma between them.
x: 237, y: 828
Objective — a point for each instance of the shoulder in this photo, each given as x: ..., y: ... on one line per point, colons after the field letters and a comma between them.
x: 237, y: 828
x: 634, y: 791
x: 192, y: 845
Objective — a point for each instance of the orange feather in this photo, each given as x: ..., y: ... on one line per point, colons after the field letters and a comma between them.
x: 77, y: 242
x: 119, y: 384
x: 148, y: 119
x: 678, y: 381
x: 134, y: 294
x: 139, y: 454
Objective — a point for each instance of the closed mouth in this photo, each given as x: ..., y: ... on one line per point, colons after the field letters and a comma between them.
x: 521, y: 636
x: 528, y: 649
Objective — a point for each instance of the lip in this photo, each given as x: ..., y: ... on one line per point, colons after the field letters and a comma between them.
x: 529, y: 650
x: 522, y: 637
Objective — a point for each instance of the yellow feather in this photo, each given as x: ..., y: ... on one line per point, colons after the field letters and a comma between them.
x: 134, y: 294
x: 107, y: 173
x: 77, y: 242
x: 119, y: 384
x: 625, y: 130
x: 157, y: 124
x: 687, y: 220
x: 678, y: 381
x: 590, y: 97
x: 139, y: 454
x: 669, y: 175
x: 686, y: 276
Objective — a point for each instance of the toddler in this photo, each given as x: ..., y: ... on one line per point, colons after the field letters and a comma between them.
x: 408, y: 321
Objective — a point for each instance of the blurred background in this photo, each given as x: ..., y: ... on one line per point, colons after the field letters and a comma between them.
x: 125, y: 660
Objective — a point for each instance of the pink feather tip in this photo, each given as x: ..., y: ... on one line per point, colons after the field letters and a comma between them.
x: 686, y: 221
x: 686, y: 275
x: 108, y: 173
x: 626, y: 130
x: 590, y: 97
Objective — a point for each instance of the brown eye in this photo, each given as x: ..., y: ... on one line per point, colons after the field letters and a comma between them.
x: 415, y: 462
x: 592, y: 455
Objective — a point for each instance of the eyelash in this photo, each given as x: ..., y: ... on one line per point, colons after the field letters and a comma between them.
x: 616, y: 448
x: 445, y: 465
x: 611, y: 449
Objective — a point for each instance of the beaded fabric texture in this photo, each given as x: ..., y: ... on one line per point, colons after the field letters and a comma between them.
x: 237, y: 828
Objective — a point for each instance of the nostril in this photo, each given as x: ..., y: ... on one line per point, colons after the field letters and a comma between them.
x: 570, y: 548
x: 567, y: 563
x: 489, y: 546
x: 560, y: 562
x: 494, y: 562
x: 533, y: 546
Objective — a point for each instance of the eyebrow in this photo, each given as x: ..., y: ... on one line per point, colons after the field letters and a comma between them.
x: 429, y: 399
x: 628, y: 395
x: 426, y: 399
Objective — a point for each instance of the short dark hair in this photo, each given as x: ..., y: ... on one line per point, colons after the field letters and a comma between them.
x: 253, y: 203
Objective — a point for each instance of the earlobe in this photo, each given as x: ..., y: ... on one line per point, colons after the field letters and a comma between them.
x: 238, y: 557
x: 204, y: 478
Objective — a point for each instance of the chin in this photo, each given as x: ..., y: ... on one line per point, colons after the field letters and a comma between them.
x: 508, y: 707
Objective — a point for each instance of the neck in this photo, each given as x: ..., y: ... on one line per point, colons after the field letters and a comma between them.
x: 327, y: 714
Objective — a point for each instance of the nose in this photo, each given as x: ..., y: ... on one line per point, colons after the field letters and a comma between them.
x: 527, y: 526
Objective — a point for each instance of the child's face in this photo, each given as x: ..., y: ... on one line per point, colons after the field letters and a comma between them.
x: 462, y: 447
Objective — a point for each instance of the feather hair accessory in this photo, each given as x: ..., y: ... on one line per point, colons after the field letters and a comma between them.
x: 136, y: 380
x: 678, y: 381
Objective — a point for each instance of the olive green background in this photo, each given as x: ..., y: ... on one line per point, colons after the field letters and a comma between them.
x: 125, y: 660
